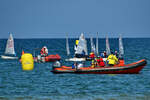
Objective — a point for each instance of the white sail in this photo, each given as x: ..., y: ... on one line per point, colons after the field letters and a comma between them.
x: 67, y: 46
x: 121, y: 49
x: 92, y: 46
x: 107, y: 46
x: 82, y: 45
x: 97, y: 44
x: 10, y: 46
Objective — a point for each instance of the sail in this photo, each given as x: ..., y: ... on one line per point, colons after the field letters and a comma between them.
x: 107, y: 46
x: 10, y: 45
x: 82, y: 45
x: 92, y: 46
x: 121, y: 49
x: 97, y: 44
x: 67, y: 46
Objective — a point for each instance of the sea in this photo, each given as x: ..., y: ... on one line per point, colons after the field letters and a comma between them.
x: 42, y: 84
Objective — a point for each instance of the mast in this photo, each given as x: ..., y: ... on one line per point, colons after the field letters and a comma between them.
x: 67, y: 45
x: 107, y: 46
x: 92, y: 45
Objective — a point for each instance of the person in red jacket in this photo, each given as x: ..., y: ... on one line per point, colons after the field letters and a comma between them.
x: 92, y: 55
x: 100, y: 62
x: 44, y: 51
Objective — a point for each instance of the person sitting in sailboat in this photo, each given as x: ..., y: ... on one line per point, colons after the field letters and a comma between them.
x: 112, y: 59
x: 44, y: 51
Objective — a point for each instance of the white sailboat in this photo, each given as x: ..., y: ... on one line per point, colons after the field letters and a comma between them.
x: 92, y: 46
x: 9, y: 51
x: 67, y: 46
x: 81, y: 47
x: 121, y: 49
x: 107, y: 46
x: 97, y: 44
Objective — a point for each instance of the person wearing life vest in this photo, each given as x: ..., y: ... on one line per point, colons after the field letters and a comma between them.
x: 112, y: 59
x: 44, y: 51
x: 92, y: 55
x: 100, y: 61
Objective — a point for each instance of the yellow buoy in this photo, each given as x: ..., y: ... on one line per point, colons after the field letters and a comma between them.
x: 27, y: 61
x: 77, y: 42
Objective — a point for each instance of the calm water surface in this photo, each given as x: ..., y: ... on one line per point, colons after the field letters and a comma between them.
x: 41, y: 84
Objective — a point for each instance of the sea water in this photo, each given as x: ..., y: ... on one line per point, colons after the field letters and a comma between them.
x: 42, y: 84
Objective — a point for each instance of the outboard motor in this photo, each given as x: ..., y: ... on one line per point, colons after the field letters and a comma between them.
x: 43, y: 59
x: 56, y: 64
x: 39, y: 58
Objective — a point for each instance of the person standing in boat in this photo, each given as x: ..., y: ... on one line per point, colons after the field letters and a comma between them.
x: 112, y: 59
x: 105, y: 55
x: 116, y: 53
x: 44, y: 51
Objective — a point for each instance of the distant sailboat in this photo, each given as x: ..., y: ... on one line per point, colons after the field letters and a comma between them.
x: 80, y: 48
x: 9, y: 51
x: 92, y: 46
x: 107, y: 46
x: 97, y: 44
x: 67, y: 46
x: 121, y: 49
x: 82, y: 45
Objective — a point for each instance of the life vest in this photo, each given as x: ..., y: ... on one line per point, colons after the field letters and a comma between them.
x: 92, y: 55
x: 100, y: 62
x: 43, y: 51
x: 112, y: 59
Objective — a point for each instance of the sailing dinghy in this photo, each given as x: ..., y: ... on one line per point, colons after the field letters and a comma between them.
x: 9, y: 51
x: 79, y: 49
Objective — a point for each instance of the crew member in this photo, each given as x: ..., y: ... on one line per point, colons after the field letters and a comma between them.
x: 92, y: 55
x: 44, y: 51
x: 112, y: 59
x: 100, y: 62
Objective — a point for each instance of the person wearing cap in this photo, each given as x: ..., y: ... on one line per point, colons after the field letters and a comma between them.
x: 112, y: 59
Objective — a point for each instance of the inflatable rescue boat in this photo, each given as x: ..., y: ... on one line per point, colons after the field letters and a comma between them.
x: 49, y: 58
x: 121, y: 68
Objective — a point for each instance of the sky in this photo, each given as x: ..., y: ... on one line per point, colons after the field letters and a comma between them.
x: 55, y: 18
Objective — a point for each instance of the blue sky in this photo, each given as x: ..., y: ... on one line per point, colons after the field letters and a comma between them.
x: 55, y: 18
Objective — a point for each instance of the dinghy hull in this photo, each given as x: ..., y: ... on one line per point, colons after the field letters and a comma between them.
x: 8, y: 57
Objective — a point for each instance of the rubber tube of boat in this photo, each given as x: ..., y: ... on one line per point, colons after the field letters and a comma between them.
x: 27, y: 61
